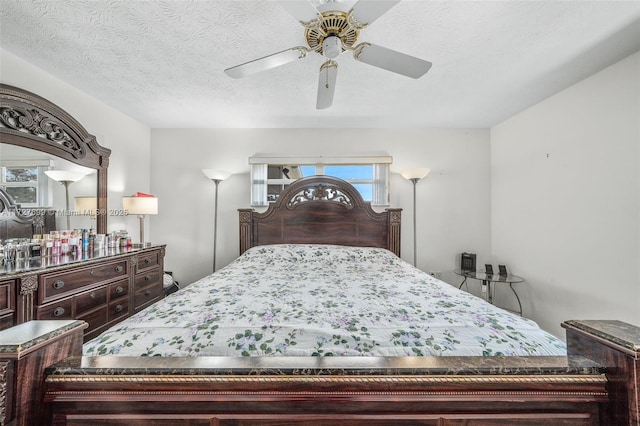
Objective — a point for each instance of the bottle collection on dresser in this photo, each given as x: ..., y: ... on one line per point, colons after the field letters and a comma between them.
x: 75, y: 243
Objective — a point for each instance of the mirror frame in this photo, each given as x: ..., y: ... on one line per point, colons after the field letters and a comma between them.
x: 31, y: 121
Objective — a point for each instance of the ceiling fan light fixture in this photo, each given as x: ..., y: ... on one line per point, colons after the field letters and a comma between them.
x: 332, y: 47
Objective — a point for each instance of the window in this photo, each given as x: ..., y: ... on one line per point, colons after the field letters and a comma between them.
x: 369, y: 175
x: 26, y: 182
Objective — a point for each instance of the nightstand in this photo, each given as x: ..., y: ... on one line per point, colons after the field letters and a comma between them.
x: 489, y: 280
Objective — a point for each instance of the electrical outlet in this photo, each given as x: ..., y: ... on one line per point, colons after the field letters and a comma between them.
x: 436, y: 274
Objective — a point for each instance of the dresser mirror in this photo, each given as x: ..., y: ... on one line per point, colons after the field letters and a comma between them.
x: 37, y: 135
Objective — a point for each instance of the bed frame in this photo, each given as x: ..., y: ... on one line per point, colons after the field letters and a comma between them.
x: 45, y: 380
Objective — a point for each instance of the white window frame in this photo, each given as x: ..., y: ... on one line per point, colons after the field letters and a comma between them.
x: 260, y: 181
x: 41, y: 185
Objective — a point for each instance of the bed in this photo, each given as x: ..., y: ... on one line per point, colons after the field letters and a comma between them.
x: 285, y: 296
x: 323, y: 300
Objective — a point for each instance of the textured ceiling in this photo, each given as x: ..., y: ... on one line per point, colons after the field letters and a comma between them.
x: 161, y: 62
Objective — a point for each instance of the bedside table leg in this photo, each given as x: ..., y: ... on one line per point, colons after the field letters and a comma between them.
x: 464, y: 283
x: 489, y: 295
x: 517, y: 298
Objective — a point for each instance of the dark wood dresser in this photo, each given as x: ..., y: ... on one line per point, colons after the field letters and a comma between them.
x: 101, y: 290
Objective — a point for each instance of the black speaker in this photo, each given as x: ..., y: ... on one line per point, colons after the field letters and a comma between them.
x: 468, y: 261
x: 503, y: 270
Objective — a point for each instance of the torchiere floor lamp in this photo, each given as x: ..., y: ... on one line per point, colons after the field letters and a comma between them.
x: 216, y: 176
x: 66, y: 177
x: 415, y: 175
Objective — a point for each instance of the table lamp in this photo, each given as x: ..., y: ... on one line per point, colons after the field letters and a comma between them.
x: 141, y: 204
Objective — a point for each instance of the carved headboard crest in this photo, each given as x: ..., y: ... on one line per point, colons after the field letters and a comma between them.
x: 321, y: 193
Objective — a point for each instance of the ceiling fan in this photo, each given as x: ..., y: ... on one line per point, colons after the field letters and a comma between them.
x: 329, y: 32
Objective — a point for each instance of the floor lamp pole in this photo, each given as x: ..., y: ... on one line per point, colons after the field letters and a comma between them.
x: 215, y: 221
x: 415, y: 245
x: 66, y: 193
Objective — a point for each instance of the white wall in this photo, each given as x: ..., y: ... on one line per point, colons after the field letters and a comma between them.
x: 453, y: 201
x: 565, y: 200
x: 127, y: 138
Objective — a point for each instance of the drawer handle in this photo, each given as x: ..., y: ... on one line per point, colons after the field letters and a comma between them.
x: 92, y: 272
x: 119, y: 308
x: 147, y: 278
x: 119, y: 289
x: 147, y: 261
x: 93, y: 295
x: 59, y: 311
x: 119, y: 268
x: 146, y: 293
x: 58, y: 284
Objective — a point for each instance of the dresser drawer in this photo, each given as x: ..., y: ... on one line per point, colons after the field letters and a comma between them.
x: 63, y: 283
x: 7, y: 297
x: 119, y: 289
x: 148, y: 260
x: 95, y: 318
x: 148, y: 295
x: 145, y: 279
x: 118, y: 309
x: 89, y: 300
x: 7, y: 304
x: 62, y: 309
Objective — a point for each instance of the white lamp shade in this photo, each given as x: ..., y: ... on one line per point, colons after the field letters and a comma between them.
x: 215, y: 174
x: 86, y: 205
x: 140, y: 205
x: 65, y: 175
x: 417, y: 173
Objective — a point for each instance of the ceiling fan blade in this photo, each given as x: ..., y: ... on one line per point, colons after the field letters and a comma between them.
x: 267, y: 62
x: 391, y: 60
x: 364, y: 12
x: 301, y: 10
x: 327, y: 84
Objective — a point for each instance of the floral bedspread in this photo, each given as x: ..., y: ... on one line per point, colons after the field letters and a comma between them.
x: 322, y: 300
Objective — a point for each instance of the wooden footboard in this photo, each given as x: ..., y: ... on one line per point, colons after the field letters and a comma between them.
x: 430, y: 391
x: 584, y: 388
x: 307, y: 390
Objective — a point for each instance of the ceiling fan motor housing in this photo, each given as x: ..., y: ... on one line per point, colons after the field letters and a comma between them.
x: 332, y: 35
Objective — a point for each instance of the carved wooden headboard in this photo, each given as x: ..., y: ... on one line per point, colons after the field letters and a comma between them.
x: 322, y: 210
x: 16, y: 222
